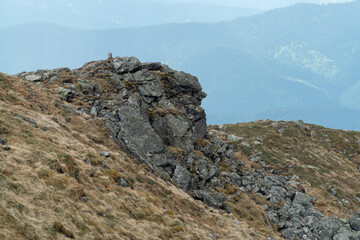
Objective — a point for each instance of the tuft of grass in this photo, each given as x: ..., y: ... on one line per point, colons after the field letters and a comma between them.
x: 177, y: 151
x: 153, y: 113
x: 113, y: 174
x: 230, y: 188
x: 59, y: 227
x: 200, y: 143
x: 11, y: 98
x: 131, y: 86
x: 225, y: 167
x: 140, y: 178
x: 199, y: 154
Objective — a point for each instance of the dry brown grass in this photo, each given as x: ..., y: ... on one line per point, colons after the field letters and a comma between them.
x: 162, y: 112
x: 48, y: 190
x: 200, y: 143
x: 177, y: 151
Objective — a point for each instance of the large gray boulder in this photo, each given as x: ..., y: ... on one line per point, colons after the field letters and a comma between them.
x: 126, y: 64
x: 345, y: 233
x: 33, y: 78
x: 213, y: 199
x: 187, y: 81
x: 302, y: 199
x: 65, y: 94
x: 327, y: 227
x: 354, y: 221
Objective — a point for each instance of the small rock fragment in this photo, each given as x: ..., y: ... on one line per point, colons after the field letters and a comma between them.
x: 126, y: 64
x: 7, y: 148
x: 105, y: 154
x: 181, y: 177
x: 84, y: 198
x: 3, y: 141
x: 65, y: 94
x: 33, y: 78
x: 301, y: 124
x: 109, y: 224
x: 212, y: 236
x: 229, y: 152
x: 122, y: 182
x: 234, y: 138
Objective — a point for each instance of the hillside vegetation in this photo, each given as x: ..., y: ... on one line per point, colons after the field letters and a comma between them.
x: 120, y: 149
x: 57, y: 183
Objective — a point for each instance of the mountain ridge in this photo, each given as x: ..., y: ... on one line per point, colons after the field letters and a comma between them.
x: 116, y: 14
x: 111, y: 140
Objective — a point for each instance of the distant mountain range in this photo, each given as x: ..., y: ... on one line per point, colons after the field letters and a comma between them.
x: 299, y: 62
x: 106, y: 14
x: 263, y: 4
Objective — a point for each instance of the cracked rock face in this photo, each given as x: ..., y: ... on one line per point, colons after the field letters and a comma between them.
x: 157, y: 118
x: 159, y: 110
x: 153, y: 113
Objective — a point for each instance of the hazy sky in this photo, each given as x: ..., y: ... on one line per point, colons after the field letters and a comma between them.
x: 263, y: 4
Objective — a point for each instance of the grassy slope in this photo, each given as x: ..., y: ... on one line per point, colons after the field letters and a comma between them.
x: 323, y: 159
x: 45, y: 176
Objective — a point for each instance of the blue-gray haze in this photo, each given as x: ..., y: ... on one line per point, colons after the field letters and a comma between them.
x: 299, y: 62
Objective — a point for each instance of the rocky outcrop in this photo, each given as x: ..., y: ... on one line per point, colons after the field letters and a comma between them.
x: 158, y: 119
x: 153, y: 113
